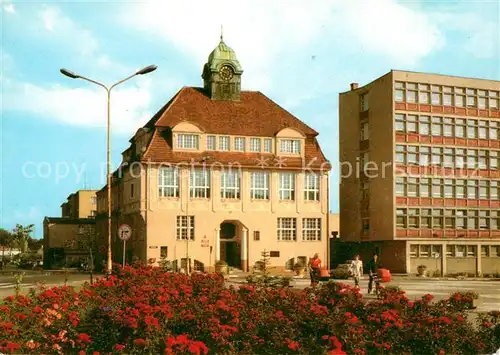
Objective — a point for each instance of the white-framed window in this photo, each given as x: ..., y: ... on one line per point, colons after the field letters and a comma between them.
x: 287, y: 229
x: 255, y: 144
x: 199, y: 183
x: 224, y: 143
x: 168, y: 182
x: 185, y: 227
x: 239, y: 144
x: 290, y: 146
x: 188, y: 141
x: 364, y: 102
x: 268, y: 145
x: 311, y: 229
x: 365, y: 132
x: 230, y: 184
x: 259, y: 185
x: 287, y: 186
x: 311, y: 187
x: 210, y: 142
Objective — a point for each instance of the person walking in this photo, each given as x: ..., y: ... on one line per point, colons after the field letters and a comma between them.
x: 373, y: 266
x: 357, y: 270
x: 314, y: 269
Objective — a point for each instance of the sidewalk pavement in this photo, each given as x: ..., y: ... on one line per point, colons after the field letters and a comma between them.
x: 242, y: 275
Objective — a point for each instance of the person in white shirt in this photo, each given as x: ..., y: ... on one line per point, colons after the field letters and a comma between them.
x: 357, y: 269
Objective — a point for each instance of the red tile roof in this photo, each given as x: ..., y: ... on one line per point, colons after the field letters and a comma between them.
x: 254, y: 115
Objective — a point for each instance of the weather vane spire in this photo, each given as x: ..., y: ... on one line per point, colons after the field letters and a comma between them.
x: 221, y: 33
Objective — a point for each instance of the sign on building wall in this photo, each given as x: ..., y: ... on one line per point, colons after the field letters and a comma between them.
x: 205, y: 243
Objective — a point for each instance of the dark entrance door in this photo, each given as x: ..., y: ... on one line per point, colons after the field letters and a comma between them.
x: 233, y: 254
x: 230, y: 248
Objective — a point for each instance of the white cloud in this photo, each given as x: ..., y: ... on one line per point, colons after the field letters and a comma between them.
x: 475, y: 35
x: 10, y: 8
x: 66, y: 30
x: 84, y: 106
x: 266, y: 34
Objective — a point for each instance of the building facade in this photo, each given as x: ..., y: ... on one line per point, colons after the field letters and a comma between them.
x: 66, y: 239
x: 220, y: 174
x: 420, y: 174
x: 80, y: 204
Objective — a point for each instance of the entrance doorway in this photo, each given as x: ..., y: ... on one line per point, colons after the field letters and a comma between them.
x: 230, y: 248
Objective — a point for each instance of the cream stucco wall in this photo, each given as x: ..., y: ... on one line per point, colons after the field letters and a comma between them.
x: 153, y: 219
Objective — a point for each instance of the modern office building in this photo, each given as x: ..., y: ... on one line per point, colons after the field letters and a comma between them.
x: 220, y: 174
x: 424, y: 183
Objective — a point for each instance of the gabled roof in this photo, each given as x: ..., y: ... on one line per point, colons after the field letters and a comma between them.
x: 254, y: 115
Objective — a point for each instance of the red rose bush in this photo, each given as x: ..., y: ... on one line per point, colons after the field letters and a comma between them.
x: 145, y: 310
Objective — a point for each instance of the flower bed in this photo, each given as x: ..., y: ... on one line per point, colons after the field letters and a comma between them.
x: 144, y: 310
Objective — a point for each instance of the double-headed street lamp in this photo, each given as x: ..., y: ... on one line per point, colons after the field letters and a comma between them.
x: 72, y: 75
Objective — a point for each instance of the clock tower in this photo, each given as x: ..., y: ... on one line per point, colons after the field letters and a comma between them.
x: 222, y: 74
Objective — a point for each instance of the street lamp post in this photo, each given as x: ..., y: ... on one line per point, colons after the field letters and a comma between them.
x: 72, y: 75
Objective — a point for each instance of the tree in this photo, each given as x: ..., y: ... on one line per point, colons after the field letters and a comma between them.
x: 5, y: 241
x: 89, y: 242
x: 35, y: 244
x: 22, y: 235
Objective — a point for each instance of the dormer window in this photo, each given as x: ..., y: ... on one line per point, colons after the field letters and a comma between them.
x: 188, y: 141
x: 224, y: 143
x: 239, y: 144
x: 255, y: 144
x: 268, y: 145
x: 210, y: 142
x: 290, y: 146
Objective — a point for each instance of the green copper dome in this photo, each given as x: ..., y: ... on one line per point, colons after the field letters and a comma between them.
x: 223, y: 54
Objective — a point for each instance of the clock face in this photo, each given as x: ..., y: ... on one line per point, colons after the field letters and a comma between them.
x: 226, y: 72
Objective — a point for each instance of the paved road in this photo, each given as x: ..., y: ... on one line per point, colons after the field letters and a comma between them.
x: 489, y: 291
x: 30, y: 280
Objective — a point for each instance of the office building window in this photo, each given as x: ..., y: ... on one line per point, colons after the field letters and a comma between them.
x: 239, y: 144
x: 168, y: 182
x: 185, y: 227
x: 259, y: 185
x: 290, y: 146
x: 364, y: 102
x: 287, y: 229
x: 287, y: 186
x: 188, y: 141
x: 400, y: 122
x: 256, y: 235
x: 255, y: 144
x: 210, y: 142
x: 311, y: 187
x: 445, y: 95
x: 365, y: 133
x: 230, y: 184
x: 311, y: 229
x: 268, y: 145
x: 199, y: 183
x: 224, y: 143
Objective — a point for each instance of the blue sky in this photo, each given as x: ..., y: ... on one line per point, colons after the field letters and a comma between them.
x: 300, y: 56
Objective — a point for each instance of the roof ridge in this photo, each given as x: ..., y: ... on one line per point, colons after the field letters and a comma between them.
x: 172, y: 102
x: 288, y: 112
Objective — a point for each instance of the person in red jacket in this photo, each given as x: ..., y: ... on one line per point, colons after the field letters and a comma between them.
x: 314, y: 269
